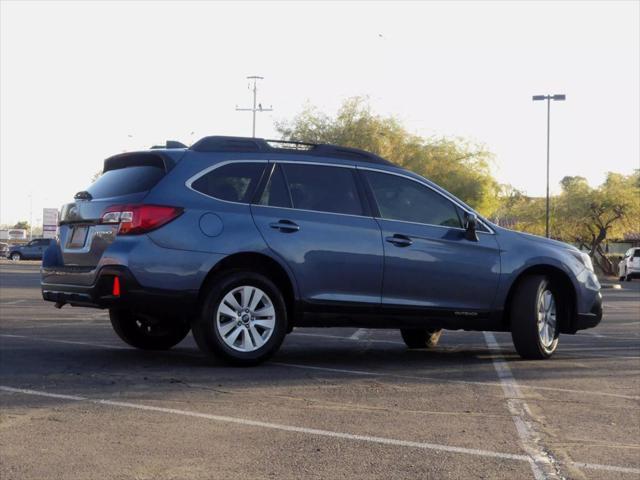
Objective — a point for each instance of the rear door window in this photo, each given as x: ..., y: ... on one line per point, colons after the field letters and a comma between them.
x: 124, y: 181
x: 234, y: 182
x: 323, y: 188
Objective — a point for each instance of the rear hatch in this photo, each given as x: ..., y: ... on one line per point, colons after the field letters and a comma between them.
x: 126, y: 180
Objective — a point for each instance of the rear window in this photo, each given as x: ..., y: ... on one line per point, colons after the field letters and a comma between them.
x: 123, y: 181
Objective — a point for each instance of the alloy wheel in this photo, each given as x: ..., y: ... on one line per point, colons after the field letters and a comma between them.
x: 245, y: 318
x: 547, y: 319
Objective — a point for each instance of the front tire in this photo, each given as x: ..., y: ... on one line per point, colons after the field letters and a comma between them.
x: 16, y: 257
x: 243, y: 319
x: 420, y: 337
x: 147, y: 332
x: 535, y: 325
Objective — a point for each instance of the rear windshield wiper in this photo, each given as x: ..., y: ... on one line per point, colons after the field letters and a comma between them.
x: 83, y: 195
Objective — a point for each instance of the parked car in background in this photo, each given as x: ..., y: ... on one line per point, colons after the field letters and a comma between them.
x: 30, y: 251
x: 629, y: 266
x: 4, y: 250
x: 243, y: 239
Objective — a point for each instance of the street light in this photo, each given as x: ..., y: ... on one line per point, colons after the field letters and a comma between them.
x: 548, y: 98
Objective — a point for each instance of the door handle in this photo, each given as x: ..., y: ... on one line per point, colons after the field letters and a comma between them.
x: 399, y: 240
x: 285, y: 226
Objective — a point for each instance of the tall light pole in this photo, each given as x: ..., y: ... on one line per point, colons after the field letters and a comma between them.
x: 257, y: 107
x: 548, y: 98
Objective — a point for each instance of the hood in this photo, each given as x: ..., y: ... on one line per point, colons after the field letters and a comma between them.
x: 538, y: 239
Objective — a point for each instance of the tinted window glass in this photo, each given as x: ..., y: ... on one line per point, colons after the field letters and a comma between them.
x: 275, y: 193
x: 124, y: 181
x: 324, y: 189
x: 402, y: 199
x: 234, y: 182
x: 636, y: 253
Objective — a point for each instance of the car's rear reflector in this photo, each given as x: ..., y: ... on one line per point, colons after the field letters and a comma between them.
x: 116, y: 287
x: 136, y: 219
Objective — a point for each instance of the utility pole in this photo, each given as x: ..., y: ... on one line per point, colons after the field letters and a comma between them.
x: 30, y: 217
x: 548, y: 98
x: 257, y: 107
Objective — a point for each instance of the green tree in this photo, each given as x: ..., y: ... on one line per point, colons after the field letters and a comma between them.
x: 591, y: 216
x: 581, y: 214
x: 460, y: 166
x: 23, y: 224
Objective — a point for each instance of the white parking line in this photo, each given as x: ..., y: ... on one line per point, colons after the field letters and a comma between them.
x: 308, y: 431
x: 358, y: 334
x: 447, y: 380
x: 338, y: 337
x: 543, y: 464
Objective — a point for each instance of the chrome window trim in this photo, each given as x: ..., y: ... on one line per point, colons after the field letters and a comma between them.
x: 397, y: 174
x: 209, y: 169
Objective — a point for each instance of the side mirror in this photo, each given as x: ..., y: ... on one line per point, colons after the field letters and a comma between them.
x: 471, y: 223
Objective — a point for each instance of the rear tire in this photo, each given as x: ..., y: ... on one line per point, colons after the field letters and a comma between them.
x: 420, y: 337
x: 147, y: 332
x: 243, y: 319
x: 535, y: 318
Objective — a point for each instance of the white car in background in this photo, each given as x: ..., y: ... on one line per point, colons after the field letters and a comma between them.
x: 629, y: 266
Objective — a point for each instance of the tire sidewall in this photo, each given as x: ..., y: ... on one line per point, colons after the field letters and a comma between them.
x: 207, y: 335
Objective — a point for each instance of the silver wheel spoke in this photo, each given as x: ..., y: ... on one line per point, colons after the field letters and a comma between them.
x: 265, y: 323
x: 257, y: 338
x: 227, y: 327
x: 267, y: 312
x: 255, y: 301
x: 245, y: 296
x: 231, y: 339
x: 247, y: 343
x: 227, y: 310
x: 231, y: 301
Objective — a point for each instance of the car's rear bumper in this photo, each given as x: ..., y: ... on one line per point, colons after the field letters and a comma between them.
x: 100, y: 293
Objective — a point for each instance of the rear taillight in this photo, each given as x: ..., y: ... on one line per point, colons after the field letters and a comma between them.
x: 135, y: 219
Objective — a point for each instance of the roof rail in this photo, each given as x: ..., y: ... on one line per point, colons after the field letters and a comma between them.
x: 246, y: 144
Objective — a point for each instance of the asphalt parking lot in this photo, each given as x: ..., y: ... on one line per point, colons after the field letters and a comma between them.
x: 76, y: 403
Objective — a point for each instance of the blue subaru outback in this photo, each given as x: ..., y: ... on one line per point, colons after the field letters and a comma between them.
x: 240, y: 240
